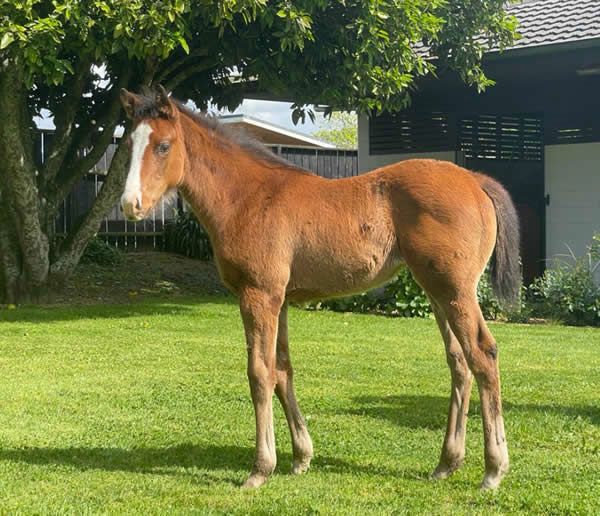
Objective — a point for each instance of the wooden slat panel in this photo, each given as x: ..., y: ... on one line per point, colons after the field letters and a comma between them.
x: 502, y: 137
x: 396, y: 133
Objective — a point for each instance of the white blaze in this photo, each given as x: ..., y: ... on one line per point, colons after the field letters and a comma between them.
x: 139, y: 141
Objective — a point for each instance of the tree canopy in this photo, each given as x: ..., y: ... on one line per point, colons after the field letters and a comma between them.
x: 71, y: 57
x: 341, y: 129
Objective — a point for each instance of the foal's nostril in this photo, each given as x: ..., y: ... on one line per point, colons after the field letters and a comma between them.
x: 138, y: 204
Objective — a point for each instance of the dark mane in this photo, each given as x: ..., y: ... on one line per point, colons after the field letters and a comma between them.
x: 148, y: 107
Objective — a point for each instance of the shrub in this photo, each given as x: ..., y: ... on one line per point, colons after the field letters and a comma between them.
x: 567, y: 291
x: 185, y: 235
x: 404, y: 297
x: 100, y: 252
x: 490, y: 306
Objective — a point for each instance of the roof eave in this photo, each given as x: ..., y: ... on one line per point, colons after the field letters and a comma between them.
x: 536, y: 50
x: 232, y: 119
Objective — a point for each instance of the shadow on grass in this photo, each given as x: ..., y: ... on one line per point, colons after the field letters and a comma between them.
x: 168, y: 460
x: 161, y: 306
x: 430, y: 411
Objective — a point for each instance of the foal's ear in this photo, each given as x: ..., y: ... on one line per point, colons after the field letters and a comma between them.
x: 165, y: 104
x: 128, y: 101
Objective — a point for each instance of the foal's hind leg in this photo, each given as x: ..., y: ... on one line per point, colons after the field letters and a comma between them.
x: 479, y: 347
x: 260, y: 312
x: 301, y: 441
x: 453, y: 449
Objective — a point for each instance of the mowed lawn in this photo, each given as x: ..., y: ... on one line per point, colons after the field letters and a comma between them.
x: 145, y: 408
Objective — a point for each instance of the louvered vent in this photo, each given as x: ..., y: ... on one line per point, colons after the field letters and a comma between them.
x: 502, y: 137
x: 399, y: 133
x: 573, y: 128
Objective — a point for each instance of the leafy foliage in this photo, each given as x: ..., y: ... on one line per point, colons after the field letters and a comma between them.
x: 404, y: 297
x: 185, y: 235
x: 341, y: 129
x: 361, y: 54
x: 100, y: 252
x: 567, y: 291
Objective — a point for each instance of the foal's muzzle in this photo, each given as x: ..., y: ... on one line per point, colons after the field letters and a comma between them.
x: 132, y: 208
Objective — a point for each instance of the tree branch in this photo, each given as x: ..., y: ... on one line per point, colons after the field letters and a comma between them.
x: 64, y: 120
x: 82, y: 165
x: 188, y: 72
x: 77, y: 240
x: 198, y: 52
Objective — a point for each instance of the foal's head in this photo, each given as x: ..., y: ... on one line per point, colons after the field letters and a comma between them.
x: 156, y: 151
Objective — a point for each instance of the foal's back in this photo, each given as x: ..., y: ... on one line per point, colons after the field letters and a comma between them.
x: 352, y: 234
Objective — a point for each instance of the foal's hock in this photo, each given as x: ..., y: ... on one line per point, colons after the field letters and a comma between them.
x: 271, y: 248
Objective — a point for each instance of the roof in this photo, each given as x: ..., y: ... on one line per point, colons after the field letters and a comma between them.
x: 551, y: 22
x: 272, y: 134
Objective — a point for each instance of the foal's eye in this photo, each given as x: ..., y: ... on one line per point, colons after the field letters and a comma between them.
x: 163, y: 147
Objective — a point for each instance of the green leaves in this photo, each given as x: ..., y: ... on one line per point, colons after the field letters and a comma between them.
x: 340, y: 129
x: 185, y: 235
x: 7, y: 39
x: 364, y: 55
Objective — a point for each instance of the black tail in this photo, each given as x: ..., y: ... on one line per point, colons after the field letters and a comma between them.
x: 505, y: 269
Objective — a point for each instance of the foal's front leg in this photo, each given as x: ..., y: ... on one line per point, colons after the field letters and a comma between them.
x: 260, y: 312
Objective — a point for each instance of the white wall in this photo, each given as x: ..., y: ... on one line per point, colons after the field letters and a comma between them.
x: 368, y: 162
x: 573, y: 183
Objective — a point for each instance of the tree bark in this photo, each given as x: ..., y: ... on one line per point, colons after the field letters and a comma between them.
x: 10, y: 263
x: 20, y: 192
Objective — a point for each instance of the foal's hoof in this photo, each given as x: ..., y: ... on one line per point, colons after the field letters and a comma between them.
x: 255, y: 480
x: 300, y: 466
x: 492, y: 480
x: 445, y: 470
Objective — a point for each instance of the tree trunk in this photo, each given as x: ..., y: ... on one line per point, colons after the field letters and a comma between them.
x: 29, y: 267
x: 20, y: 201
x: 10, y: 263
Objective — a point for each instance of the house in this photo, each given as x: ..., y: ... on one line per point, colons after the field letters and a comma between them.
x: 537, y: 130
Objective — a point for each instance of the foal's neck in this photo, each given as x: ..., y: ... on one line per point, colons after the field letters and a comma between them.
x: 219, y: 176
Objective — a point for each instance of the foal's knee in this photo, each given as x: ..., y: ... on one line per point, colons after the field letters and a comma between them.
x: 261, y: 377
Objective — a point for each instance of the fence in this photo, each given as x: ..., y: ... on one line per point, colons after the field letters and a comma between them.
x: 329, y: 163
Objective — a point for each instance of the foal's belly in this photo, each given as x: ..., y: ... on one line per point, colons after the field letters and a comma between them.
x: 342, y: 272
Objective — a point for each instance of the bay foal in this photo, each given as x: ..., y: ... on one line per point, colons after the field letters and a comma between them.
x: 281, y: 234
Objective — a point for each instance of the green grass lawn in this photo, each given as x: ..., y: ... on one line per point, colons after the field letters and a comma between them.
x: 145, y: 408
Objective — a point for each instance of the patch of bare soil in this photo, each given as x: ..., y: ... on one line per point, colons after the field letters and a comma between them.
x: 140, y: 275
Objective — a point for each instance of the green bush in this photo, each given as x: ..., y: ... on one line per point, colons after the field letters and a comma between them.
x: 490, y: 306
x: 404, y: 297
x: 567, y: 291
x: 98, y: 251
x: 185, y: 235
